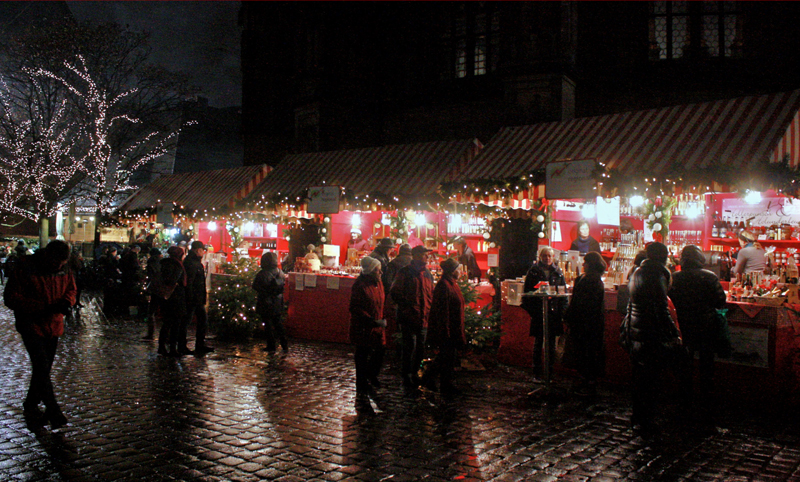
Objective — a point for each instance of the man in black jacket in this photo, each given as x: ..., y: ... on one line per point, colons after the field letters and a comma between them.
x: 195, y: 300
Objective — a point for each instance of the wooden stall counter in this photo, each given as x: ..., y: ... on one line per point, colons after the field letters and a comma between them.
x: 318, y: 306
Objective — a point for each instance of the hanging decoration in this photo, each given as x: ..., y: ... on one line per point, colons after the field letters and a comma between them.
x: 658, y: 214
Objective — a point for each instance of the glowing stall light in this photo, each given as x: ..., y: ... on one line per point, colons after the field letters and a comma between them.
x: 588, y: 211
x: 272, y: 230
x: 212, y: 226
x: 752, y: 197
x: 419, y: 219
x: 455, y: 222
x: 636, y: 201
x: 385, y: 219
x: 693, y: 210
x: 249, y: 226
x: 356, y: 221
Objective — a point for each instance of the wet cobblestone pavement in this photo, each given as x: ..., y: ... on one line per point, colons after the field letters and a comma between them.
x: 239, y: 414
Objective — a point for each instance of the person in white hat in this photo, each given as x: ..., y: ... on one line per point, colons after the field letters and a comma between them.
x: 367, y: 330
x: 356, y: 241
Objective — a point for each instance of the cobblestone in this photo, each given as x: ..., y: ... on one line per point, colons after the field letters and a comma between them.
x: 238, y: 414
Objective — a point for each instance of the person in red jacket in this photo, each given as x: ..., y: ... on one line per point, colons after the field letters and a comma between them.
x: 412, y: 291
x: 446, y: 328
x: 367, y: 330
x: 40, y: 293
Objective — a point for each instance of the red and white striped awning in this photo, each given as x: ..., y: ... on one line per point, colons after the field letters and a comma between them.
x: 734, y: 132
x: 202, y: 190
x: 397, y: 170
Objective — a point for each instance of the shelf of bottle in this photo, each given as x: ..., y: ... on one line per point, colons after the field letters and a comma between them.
x: 257, y: 237
x: 771, y: 242
x: 467, y: 235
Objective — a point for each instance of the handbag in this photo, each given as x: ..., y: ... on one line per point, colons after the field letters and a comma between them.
x: 722, y: 334
x: 625, y: 332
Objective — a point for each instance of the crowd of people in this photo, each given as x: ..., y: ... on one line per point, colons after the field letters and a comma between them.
x: 670, y: 319
x: 42, y: 288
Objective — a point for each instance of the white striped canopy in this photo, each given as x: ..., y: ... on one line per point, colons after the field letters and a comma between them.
x: 735, y: 133
x: 201, y: 190
x: 397, y: 170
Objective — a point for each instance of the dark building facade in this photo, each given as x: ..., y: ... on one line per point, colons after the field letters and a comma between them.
x: 338, y: 75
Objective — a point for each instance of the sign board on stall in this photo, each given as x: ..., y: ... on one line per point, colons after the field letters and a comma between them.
x: 773, y: 210
x: 570, y: 179
x: 164, y: 214
x: 323, y: 199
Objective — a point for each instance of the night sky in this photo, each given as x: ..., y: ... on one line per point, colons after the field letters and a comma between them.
x: 199, y: 38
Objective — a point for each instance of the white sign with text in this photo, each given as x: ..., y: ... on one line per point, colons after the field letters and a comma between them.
x: 775, y: 210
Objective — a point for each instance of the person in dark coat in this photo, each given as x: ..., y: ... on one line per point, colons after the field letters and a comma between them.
x: 131, y: 277
x: 269, y: 284
x: 195, y: 300
x: 153, y: 271
x: 446, y: 329
x: 400, y: 261
x: 381, y: 253
x: 653, y: 335
x: 112, y: 278
x: 585, y: 320
x: 543, y: 270
x: 467, y: 259
x: 367, y: 330
x: 78, y: 268
x: 584, y: 243
x: 40, y: 293
x: 172, y: 301
x: 412, y: 291
x: 697, y: 294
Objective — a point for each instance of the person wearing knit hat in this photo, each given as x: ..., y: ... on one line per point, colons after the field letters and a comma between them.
x: 446, y: 329
x: 752, y: 257
x: 367, y: 331
x: 381, y: 253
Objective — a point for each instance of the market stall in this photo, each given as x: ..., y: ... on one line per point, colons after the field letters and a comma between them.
x: 690, y: 174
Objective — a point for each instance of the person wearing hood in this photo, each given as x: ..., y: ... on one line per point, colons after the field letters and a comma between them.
x: 367, y: 330
x: 269, y: 284
x: 172, y: 301
x: 412, y: 291
x: 446, y: 329
x: 697, y: 294
x: 41, y: 292
x: 652, y: 334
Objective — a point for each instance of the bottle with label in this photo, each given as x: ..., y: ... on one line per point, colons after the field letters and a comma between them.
x: 715, y: 230
x: 723, y: 228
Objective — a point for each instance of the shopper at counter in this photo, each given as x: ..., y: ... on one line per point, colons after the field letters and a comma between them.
x: 584, y: 243
x: 467, y: 258
x: 653, y: 335
x: 381, y: 253
x: 269, y: 284
x: 543, y: 270
x: 446, y: 329
x: 697, y: 294
x: 413, y: 292
x: 751, y: 257
x: 367, y: 330
x: 585, y: 320
x: 400, y: 261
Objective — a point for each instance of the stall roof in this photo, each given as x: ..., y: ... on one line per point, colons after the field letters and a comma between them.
x: 199, y: 190
x: 735, y: 132
x: 407, y: 169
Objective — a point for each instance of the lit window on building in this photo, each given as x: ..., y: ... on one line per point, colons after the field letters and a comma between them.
x: 718, y: 25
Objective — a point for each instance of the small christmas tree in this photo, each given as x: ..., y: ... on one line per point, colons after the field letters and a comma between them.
x: 232, y: 306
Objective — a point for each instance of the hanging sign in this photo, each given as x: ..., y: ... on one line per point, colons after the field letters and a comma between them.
x: 323, y: 199
x: 774, y: 210
x: 608, y: 211
x: 570, y: 179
